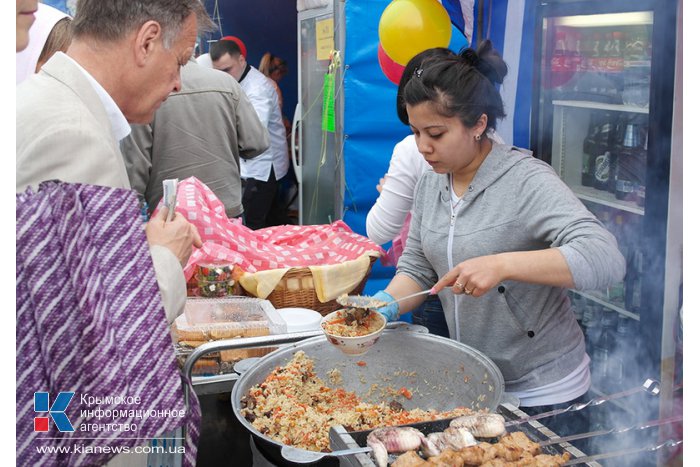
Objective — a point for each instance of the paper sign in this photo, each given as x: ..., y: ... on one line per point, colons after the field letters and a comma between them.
x: 324, y: 38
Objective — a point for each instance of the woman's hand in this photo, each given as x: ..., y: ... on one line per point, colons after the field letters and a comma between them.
x: 475, y: 276
x: 381, y: 183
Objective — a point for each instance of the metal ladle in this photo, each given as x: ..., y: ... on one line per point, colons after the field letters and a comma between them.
x: 364, y: 302
x: 302, y: 456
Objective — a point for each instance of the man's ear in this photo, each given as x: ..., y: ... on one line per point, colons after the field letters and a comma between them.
x: 148, y: 37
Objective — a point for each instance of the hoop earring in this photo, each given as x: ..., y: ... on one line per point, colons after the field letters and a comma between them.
x: 477, y: 137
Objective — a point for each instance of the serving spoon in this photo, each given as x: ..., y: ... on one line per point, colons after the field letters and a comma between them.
x: 302, y: 456
x: 364, y: 302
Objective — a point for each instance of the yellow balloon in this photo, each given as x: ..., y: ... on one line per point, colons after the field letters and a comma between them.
x: 408, y: 27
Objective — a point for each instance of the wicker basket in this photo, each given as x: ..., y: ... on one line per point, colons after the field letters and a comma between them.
x: 296, y: 290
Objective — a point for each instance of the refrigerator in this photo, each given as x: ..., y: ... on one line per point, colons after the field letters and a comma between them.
x: 606, y: 114
x: 317, y: 145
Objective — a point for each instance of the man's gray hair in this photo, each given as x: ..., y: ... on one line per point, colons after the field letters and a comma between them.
x: 112, y: 20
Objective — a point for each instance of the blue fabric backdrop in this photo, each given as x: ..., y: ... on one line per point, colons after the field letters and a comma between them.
x: 371, y: 125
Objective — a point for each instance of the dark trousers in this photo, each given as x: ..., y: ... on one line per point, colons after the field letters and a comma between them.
x: 430, y: 315
x: 261, y: 204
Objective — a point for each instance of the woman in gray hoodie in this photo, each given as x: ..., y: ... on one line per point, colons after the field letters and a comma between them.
x: 503, y: 234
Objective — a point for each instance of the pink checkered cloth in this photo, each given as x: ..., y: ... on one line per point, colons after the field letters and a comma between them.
x: 229, y: 241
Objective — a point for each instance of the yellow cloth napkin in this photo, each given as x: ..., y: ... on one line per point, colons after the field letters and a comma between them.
x: 330, y: 281
x: 333, y: 280
x: 262, y: 283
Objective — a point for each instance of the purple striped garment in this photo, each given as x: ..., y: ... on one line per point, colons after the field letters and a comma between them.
x: 90, y: 321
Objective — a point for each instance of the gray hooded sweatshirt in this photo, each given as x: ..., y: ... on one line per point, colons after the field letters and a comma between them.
x: 514, y: 203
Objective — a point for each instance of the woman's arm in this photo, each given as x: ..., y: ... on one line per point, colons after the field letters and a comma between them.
x: 479, y: 275
x: 582, y: 254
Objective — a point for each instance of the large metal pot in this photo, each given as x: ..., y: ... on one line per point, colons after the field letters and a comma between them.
x: 443, y: 374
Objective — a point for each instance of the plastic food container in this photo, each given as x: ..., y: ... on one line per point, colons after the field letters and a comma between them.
x: 233, y: 311
x: 208, y: 319
x: 215, y: 280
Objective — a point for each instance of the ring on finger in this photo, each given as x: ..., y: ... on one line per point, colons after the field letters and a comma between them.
x: 459, y: 285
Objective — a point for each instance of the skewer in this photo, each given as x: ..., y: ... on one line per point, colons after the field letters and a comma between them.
x: 606, y: 455
x: 650, y: 385
x: 591, y: 434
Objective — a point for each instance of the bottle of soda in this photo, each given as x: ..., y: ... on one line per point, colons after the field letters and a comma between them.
x: 559, y: 63
x: 603, y: 158
x: 615, y: 64
x: 590, y: 150
x: 638, y: 265
x: 628, y: 346
x: 593, y: 64
x: 633, y: 226
x: 621, y: 354
x: 592, y: 324
x: 616, y: 292
x: 607, y: 86
x: 631, y: 162
x: 576, y: 63
x: 640, y: 187
x: 636, y: 68
x: 604, y: 367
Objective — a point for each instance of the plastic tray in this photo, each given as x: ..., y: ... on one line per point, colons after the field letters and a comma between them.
x: 231, y: 312
x: 224, y: 318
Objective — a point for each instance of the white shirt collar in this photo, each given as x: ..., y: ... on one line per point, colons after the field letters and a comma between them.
x: 120, y: 126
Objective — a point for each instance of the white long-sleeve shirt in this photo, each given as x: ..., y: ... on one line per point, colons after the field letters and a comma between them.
x: 261, y: 92
x: 385, y: 219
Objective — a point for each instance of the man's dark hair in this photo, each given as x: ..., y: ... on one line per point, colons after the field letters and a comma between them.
x: 112, y: 20
x: 222, y: 47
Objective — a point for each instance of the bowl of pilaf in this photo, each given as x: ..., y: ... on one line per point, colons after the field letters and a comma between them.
x: 351, y: 335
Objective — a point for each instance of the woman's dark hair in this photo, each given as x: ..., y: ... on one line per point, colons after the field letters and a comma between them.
x: 461, y: 85
x: 414, y: 64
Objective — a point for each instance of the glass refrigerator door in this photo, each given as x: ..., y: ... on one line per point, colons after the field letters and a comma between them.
x: 602, y: 117
x: 594, y: 125
x: 597, y: 71
x: 318, y: 157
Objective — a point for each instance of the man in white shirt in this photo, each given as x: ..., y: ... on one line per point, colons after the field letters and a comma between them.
x: 260, y: 175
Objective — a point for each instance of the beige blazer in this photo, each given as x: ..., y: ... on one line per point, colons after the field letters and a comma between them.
x: 63, y: 133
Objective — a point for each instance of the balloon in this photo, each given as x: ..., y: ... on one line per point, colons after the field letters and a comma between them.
x: 408, y: 27
x: 391, y: 69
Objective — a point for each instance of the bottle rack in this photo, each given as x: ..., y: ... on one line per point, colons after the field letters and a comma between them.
x: 593, y: 195
x: 594, y: 296
x: 601, y: 106
x: 567, y: 155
